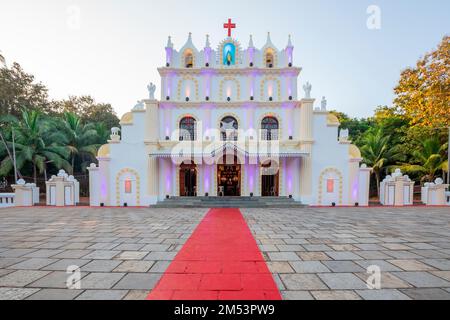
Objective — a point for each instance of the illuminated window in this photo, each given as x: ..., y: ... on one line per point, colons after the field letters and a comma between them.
x: 330, y: 186
x: 128, y: 187
x: 228, y: 128
x: 270, y: 60
x: 187, y: 129
x: 229, y: 54
x: 269, y: 129
x: 189, y: 59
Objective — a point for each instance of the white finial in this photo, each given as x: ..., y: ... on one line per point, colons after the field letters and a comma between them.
x: 290, y: 42
x: 344, y: 135
x: 62, y: 173
x: 250, y: 43
x: 324, y: 104
x: 169, y: 42
x: 139, y: 106
x: 208, y: 44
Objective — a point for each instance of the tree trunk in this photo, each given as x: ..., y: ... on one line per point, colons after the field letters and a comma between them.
x: 35, y: 173
x: 45, y: 172
x: 377, y: 178
x: 73, y: 164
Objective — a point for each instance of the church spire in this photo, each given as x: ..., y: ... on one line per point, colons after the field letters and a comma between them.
x: 189, y: 44
x: 250, y: 43
x: 169, y: 42
x: 269, y: 43
x: 290, y: 42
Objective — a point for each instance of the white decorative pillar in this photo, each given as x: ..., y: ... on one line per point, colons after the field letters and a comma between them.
x: 61, y: 190
x: 364, y: 185
x: 435, y: 193
x: 306, y: 137
x: 23, y: 194
x: 94, y: 185
x: 152, y: 139
x: 353, y: 192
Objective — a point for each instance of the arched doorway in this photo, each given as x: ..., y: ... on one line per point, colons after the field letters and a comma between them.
x: 229, y: 178
x: 188, y: 180
x: 270, y: 179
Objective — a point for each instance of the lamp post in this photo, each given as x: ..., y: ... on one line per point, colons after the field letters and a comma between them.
x: 14, y: 155
x: 448, y: 152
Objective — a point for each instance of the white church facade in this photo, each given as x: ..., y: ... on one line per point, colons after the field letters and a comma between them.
x: 229, y: 123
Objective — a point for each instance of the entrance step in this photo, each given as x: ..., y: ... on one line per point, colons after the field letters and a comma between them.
x: 229, y: 202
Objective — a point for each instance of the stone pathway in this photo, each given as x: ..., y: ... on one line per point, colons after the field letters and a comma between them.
x: 324, y: 253
x: 122, y: 253
x: 313, y: 253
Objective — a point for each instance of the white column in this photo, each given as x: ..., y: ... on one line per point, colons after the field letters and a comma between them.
x: 306, y: 136
x: 94, y: 186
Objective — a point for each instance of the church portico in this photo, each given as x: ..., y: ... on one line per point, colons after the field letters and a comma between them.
x: 229, y: 123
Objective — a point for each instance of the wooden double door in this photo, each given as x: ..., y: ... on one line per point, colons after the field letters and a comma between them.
x: 188, y: 180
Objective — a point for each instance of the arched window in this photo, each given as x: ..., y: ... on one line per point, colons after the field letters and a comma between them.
x: 188, y: 129
x: 228, y: 129
x: 270, y: 60
x: 269, y: 129
x: 189, y: 59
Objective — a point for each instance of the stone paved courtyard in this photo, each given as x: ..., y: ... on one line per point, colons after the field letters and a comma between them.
x: 314, y: 253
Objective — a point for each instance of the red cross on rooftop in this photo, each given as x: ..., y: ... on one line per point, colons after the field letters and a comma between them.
x: 229, y: 26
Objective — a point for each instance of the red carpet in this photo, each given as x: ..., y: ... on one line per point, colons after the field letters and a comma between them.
x: 221, y: 261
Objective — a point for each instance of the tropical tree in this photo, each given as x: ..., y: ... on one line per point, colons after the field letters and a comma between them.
x: 2, y: 59
x: 377, y: 153
x: 19, y: 90
x: 430, y: 159
x: 103, y: 133
x: 81, y: 139
x: 423, y: 92
x: 37, y: 144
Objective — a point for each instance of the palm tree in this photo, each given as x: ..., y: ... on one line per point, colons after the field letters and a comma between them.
x: 2, y: 59
x: 103, y: 133
x: 377, y: 153
x: 81, y: 139
x: 431, y: 158
x: 37, y: 143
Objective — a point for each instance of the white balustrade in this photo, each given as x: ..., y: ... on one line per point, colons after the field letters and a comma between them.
x: 7, y: 200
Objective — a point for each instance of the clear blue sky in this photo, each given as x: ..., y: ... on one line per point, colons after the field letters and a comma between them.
x: 119, y: 44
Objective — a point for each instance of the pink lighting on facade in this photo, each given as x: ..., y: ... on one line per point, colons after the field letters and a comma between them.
x: 355, y: 189
x: 188, y: 91
x: 251, y: 54
x: 270, y: 89
x: 207, y: 55
x: 289, y: 86
x: 251, y: 177
x: 207, y: 179
x: 168, y: 180
x: 169, y: 55
x: 290, y: 52
x: 228, y: 91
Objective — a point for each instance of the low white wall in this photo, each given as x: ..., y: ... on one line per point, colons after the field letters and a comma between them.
x: 7, y: 200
